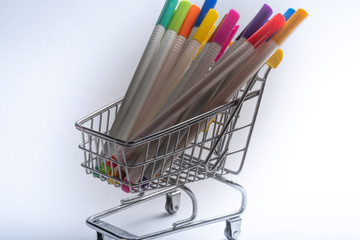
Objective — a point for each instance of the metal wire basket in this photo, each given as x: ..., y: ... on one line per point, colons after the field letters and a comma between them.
x: 190, y: 151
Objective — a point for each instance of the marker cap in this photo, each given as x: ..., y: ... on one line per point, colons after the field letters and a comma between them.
x: 208, y: 4
x: 206, y: 40
x: 289, y: 26
x: 226, y: 28
x: 189, y: 21
x: 275, y: 59
x: 258, y: 21
x: 288, y: 13
x: 206, y: 26
x: 267, y: 30
x: 179, y: 16
x: 227, y: 43
x: 166, y: 13
x: 232, y: 34
x: 217, y: 28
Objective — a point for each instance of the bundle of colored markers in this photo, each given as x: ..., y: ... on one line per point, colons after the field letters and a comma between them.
x: 190, y: 66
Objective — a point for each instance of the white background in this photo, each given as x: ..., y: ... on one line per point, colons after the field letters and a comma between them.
x: 61, y: 60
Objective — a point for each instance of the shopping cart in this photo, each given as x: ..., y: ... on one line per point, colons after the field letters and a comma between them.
x: 193, y: 150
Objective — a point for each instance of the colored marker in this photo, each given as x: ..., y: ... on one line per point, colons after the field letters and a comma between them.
x: 149, y: 52
x: 153, y: 70
x: 235, y: 29
x: 210, y: 36
x: 206, y: 40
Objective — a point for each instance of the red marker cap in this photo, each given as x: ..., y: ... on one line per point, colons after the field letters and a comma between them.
x: 266, y: 31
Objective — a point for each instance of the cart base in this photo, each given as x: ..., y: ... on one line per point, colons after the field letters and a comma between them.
x: 233, y: 219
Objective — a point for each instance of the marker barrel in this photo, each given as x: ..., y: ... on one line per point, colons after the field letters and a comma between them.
x: 158, y: 87
x: 145, y: 61
x: 148, y: 80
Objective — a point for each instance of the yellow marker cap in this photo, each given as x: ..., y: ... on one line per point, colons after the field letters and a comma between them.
x: 206, y: 26
x: 289, y: 26
x: 206, y: 40
x: 275, y: 59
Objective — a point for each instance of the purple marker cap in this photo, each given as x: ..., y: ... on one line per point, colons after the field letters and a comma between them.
x: 226, y: 28
x: 258, y: 21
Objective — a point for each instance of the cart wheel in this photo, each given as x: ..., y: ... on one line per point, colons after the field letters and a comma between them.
x: 170, y: 208
x: 232, y: 229
x: 172, y: 202
x: 99, y: 236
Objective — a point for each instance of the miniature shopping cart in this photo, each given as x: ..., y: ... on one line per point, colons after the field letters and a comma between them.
x: 197, y: 149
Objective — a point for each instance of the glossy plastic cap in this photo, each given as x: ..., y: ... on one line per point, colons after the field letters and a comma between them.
x: 227, y: 43
x: 206, y: 26
x: 258, y: 21
x: 290, y: 26
x: 206, y: 40
x: 179, y: 16
x: 189, y: 21
x: 274, y: 24
x: 289, y: 13
x: 275, y: 59
x: 217, y: 28
x: 166, y: 13
x: 226, y: 28
x: 208, y: 4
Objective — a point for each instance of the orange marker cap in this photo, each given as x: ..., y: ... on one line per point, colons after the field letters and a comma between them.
x: 289, y: 26
x: 189, y: 21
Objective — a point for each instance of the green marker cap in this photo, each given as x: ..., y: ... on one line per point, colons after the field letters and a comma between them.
x: 179, y: 16
x: 167, y: 12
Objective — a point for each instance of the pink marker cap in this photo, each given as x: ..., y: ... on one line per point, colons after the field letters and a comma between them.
x: 226, y: 28
x: 126, y: 188
x: 224, y: 47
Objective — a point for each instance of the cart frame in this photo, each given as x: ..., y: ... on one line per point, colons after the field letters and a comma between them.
x: 211, y: 166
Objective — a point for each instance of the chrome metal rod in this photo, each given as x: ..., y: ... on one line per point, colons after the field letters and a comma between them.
x: 194, y: 209
x: 133, y: 203
x: 132, y: 198
x: 226, y: 125
x: 256, y: 111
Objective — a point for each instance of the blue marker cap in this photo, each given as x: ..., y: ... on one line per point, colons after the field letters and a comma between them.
x: 286, y: 15
x: 208, y: 4
x: 167, y: 12
x: 289, y: 13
